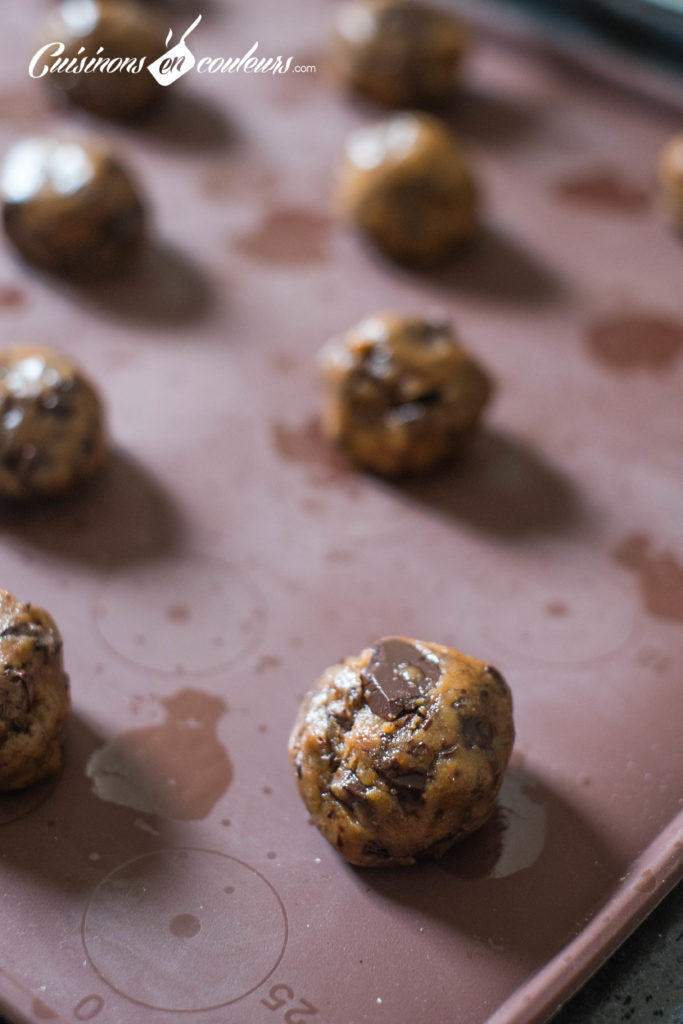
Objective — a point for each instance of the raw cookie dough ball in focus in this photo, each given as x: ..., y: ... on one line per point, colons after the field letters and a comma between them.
x: 71, y: 208
x: 406, y: 185
x: 126, y: 31
x: 34, y: 694
x: 400, y: 752
x: 671, y: 179
x: 400, y: 393
x: 51, y: 424
x: 397, y: 53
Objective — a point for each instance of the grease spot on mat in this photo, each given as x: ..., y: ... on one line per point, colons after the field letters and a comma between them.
x: 11, y: 296
x: 306, y: 444
x: 226, y: 180
x: 210, y: 599
x: 511, y: 840
x: 593, y: 618
x: 267, y: 662
x: 283, y: 362
x: 660, y: 576
x: 228, y: 944
x: 603, y: 189
x: 178, y: 769
x: 633, y: 341
x: 178, y: 612
x: 288, y: 236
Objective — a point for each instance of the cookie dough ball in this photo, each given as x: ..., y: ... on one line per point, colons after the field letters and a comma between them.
x: 400, y: 752
x: 671, y: 179
x: 34, y: 694
x: 71, y: 208
x: 52, y: 431
x: 406, y: 185
x: 126, y: 32
x: 397, y: 53
x: 400, y: 393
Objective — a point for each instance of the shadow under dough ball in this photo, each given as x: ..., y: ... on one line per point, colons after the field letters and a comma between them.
x: 118, y: 32
x: 397, y: 53
x: 34, y: 694
x: 400, y: 752
x: 406, y: 185
x: 52, y: 432
x: 670, y: 173
x: 70, y: 208
x: 400, y: 394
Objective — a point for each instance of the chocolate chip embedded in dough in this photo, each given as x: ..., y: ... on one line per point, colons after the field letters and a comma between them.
x: 374, y: 849
x: 476, y: 732
x: 397, y: 676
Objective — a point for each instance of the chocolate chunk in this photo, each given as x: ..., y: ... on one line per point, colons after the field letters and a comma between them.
x: 414, y: 782
x: 33, y: 629
x: 498, y: 679
x: 22, y: 462
x: 405, y: 780
x: 476, y: 732
x: 22, y: 678
x: 374, y: 849
x: 344, y: 721
x: 354, y: 787
x: 60, y: 401
x: 397, y: 676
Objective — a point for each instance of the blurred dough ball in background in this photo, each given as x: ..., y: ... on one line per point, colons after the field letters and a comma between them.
x: 400, y: 394
x: 397, y: 53
x: 70, y: 207
x: 126, y: 31
x: 405, y: 183
x: 52, y: 430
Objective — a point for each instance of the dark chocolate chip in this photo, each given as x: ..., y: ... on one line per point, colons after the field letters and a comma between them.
x: 354, y: 787
x: 21, y: 678
x: 33, y: 629
x: 476, y: 732
x: 397, y: 676
x: 60, y: 401
x: 417, y: 748
x: 432, y: 397
x: 406, y: 780
x: 498, y: 679
x: 343, y: 721
x: 414, y: 782
x: 374, y: 849
x: 428, y: 330
x: 45, y: 639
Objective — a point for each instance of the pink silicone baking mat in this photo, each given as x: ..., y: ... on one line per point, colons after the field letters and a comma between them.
x: 225, y: 557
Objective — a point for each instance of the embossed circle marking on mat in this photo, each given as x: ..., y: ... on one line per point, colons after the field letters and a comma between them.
x: 560, y: 615
x: 165, y: 617
x: 184, y: 930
